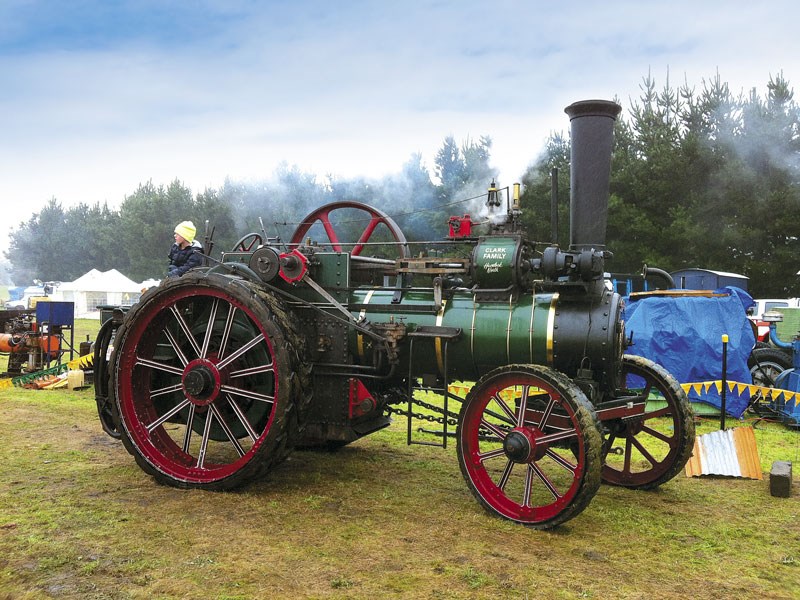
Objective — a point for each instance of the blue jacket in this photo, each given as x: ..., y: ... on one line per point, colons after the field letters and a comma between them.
x: 181, y: 260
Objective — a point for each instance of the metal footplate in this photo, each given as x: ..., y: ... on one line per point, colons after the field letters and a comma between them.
x: 441, y: 337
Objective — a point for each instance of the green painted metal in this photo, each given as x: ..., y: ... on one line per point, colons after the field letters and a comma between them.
x: 518, y: 330
x: 495, y: 261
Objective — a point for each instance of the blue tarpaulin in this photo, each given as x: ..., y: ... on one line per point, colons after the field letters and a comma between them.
x: 683, y: 333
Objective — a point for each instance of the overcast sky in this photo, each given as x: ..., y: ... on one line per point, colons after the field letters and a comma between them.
x: 98, y: 96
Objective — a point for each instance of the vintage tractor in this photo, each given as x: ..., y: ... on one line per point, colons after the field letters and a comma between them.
x: 213, y: 378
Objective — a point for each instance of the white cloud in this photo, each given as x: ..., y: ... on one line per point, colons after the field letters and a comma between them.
x: 346, y: 88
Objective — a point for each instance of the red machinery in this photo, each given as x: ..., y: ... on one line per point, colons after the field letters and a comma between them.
x: 33, y: 338
x: 28, y: 348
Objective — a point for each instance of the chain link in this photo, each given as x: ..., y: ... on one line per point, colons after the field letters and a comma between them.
x: 390, y: 409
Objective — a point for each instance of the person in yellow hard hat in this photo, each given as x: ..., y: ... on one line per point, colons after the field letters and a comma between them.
x: 186, y: 253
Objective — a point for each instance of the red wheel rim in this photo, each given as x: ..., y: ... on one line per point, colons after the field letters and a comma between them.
x: 197, y: 384
x: 522, y: 448
x: 644, y: 450
x: 248, y: 242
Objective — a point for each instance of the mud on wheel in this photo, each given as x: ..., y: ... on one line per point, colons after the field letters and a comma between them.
x: 529, y: 445
x: 207, y: 382
x: 645, y: 451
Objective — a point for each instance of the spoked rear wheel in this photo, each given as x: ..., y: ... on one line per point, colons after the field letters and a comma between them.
x: 529, y: 445
x: 204, y: 382
x: 646, y: 451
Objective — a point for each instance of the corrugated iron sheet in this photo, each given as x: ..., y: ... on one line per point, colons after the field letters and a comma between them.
x: 732, y: 452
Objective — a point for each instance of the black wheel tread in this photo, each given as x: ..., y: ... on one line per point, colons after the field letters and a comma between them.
x: 590, y: 429
x: 287, y: 340
x: 684, y: 416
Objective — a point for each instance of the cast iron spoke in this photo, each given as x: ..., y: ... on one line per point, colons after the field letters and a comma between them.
x: 247, y: 394
x: 561, y: 461
x: 526, y: 495
x: 227, y: 430
x: 557, y: 437
x: 163, y: 418
x: 658, y: 435
x: 523, y: 405
x: 166, y: 390
x: 185, y: 328
x: 494, y: 429
x: 500, y: 417
x: 505, y: 408
x: 501, y: 484
x: 373, y: 223
x: 226, y: 334
x: 612, y: 437
x: 187, y: 437
x: 201, y: 456
x: 484, y: 456
x: 252, y: 371
x: 242, y: 418
x: 251, y: 344
x: 146, y: 362
x: 544, y: 479
x: 174, y: 343
x: 644, y: 451
x: 661, y: 412
x: 212, y: 317
x: 626, y: 467
x: 547, y: 412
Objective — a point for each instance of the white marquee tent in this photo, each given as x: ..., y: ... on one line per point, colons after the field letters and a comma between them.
x: 98, y: 288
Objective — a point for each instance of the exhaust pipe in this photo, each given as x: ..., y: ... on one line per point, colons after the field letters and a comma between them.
x: 591, y: 137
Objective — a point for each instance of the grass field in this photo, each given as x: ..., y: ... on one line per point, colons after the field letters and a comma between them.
x: 78, y: 519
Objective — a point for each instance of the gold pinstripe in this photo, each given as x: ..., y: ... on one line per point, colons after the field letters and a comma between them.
x: 551, y: 319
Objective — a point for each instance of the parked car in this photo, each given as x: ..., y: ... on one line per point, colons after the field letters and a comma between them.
x: 763, y: 305
x: 26, y: 298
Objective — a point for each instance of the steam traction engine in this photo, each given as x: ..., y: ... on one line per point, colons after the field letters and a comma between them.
x: 216, y: 376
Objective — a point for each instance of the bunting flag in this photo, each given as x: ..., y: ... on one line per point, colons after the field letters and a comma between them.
x: 707, y: 392
x: 701, y: 388
x: 462, y: 389
x: 787, y: 399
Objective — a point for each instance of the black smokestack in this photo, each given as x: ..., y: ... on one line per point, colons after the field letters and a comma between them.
x: 591, y: 135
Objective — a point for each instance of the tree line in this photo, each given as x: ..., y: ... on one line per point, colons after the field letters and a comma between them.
x: 700, y: 178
